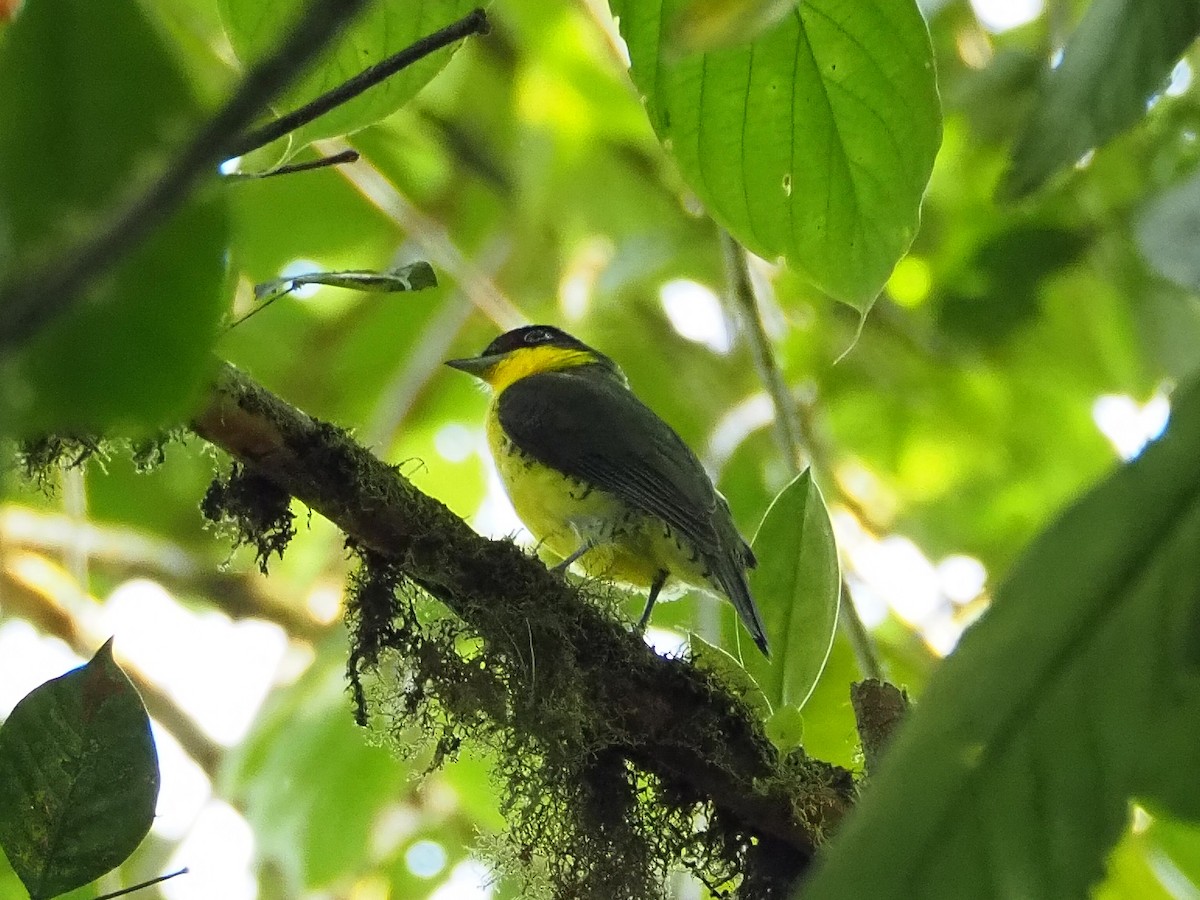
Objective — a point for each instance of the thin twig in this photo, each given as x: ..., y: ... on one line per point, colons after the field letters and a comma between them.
x: 788, y: 426
x: 33, y: 298
x: 474, y: 22
x: 856, y: 632
x: 144, y: 884
x: 346, y: 156
x: 741, y: 288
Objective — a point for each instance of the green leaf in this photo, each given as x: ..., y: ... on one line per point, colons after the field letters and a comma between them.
x: 92, y: 98
x: 785, y: 728
x: 796, y: 585
x: 254, y: 27
x: 813, y: 143
x: 729, y: 670
x: 414, y: 277
x: 1078, y: 689
x: 1167, y: 232
x: 78, y: 778
x: 1119, y: 55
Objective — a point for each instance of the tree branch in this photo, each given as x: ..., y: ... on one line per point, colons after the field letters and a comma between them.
x: 687, y: 731
x: 32, y: 299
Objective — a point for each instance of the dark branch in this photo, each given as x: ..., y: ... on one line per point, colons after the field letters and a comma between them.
x: 338, y: 159
x: 689, y: 733
x: 475, y: 22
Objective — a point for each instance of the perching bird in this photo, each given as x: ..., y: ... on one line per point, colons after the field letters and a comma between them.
x: 600, y: 479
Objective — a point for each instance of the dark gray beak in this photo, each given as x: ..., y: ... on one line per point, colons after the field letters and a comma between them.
x: 473, y: 365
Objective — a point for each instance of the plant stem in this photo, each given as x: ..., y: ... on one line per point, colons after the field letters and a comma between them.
x: 788, y: 426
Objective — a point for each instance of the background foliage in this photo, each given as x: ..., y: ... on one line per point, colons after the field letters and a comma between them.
x: 1018, y: 352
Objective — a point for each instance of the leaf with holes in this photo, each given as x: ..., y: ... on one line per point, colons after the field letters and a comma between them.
x: 78, y: 778
x: 814, y: 142
x: 1077, y: 690
x: 1120, y: 54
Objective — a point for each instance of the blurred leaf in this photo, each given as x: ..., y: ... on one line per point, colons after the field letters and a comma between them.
x: 730, y: 671
x: 254, y: 27
x: 813, y: 143
x: 1179, y: 842
x: 1005, y: 278
x: 78, y: 777
x: 413, y: 277
x: 1012, y: 776
x: 796, y: 584
x: 91, y: 94
x: 1168, y: 232
x: 310, y: 783
x: 1128, y: 873
x: 1120, y: 54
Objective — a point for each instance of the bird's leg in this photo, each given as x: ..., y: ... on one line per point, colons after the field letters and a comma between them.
x: 655, y: 586
x: 566, y: 563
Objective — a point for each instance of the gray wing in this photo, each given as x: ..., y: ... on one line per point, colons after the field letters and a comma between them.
x: 596, y: 430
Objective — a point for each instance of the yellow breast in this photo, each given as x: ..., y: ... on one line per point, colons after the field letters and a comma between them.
x: 562, y: 512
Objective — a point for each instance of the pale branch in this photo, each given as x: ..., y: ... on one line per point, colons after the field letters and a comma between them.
x: 129, y: 553
x: 685, y: 730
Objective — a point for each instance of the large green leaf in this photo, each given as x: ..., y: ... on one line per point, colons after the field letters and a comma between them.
x: 813, y: 143
x: 254, y: 27
x: 78, y: 778
x: 91, y: 106
x: 1078, y: 689
x: 796, y: 584
x: 1119, y: 55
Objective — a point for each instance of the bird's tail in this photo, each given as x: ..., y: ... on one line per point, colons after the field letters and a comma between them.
x: 731, y: 574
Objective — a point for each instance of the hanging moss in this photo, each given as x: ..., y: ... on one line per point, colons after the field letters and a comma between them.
x: 41, y: 459
x: 583, y: 820
x: 253, y: 510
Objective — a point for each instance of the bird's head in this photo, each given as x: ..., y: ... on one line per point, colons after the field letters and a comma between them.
x: 530, y: 351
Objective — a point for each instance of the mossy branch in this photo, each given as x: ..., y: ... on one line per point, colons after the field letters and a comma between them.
x: 662, y: 716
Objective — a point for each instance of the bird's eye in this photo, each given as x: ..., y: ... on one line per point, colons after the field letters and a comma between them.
x: 537, y: 336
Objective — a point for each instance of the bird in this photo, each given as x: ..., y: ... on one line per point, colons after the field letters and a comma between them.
x: 600, y: 480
